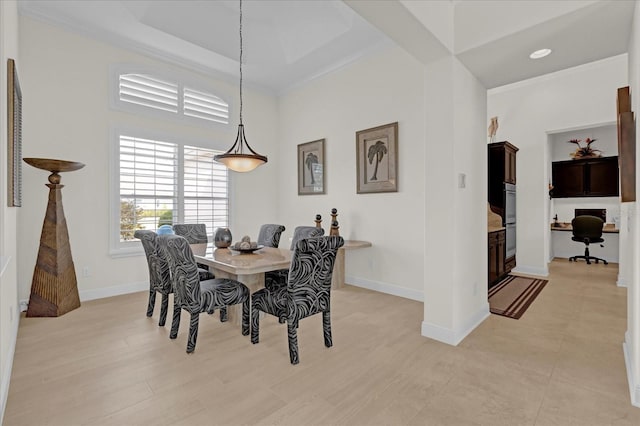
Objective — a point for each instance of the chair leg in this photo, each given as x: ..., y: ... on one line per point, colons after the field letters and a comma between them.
x: 255, y: 325
x: 152, y: 302
x: 193, y: 332
x: 246, y: 313
x: 164, y: 307
x: 326, y: 328
x: 175, y: 322
x: 224, y: 316
x: 292, y: 331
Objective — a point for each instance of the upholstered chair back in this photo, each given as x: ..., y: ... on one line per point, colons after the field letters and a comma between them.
x: 184, y: 272
x: 159, y: 275
x: 302, y: 232
x: 194, y: 233
x: 587, y: 227
x: 269, y: 235
x: 309, y: 283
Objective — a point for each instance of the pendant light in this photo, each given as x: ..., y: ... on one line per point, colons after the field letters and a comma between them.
x: 240, y: 157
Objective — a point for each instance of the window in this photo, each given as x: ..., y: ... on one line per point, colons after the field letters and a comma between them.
x: 162, y: 182
x: 147, y: 92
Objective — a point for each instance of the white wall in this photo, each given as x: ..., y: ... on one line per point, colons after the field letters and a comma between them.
x: 383, y: 88
x: 9, y: 318
x: 527, y: 110
x: 456, y: 227
x: 630, y: 221
x: 606, y: 136
x: 65, y: 83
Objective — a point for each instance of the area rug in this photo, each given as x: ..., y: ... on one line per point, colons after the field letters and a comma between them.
x: 513, y: 295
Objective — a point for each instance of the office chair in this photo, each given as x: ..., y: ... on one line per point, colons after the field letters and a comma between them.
x: 587, y: 230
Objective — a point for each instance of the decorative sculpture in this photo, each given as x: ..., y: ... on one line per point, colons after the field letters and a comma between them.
x: 493, y: 128
x: 318, y: 221
x: 334, y: 223
x: 54, y: 289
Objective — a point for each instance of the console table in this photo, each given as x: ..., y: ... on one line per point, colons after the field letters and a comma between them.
x: 337, y: 280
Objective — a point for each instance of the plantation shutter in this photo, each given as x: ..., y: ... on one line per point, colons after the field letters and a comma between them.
x: 206, y: 195
x: 149, y: 91
x: 206, y: 106
x: 148, y: 184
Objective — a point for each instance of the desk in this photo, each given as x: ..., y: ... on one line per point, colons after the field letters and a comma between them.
x: 562, y: 246
x: 609, y: 228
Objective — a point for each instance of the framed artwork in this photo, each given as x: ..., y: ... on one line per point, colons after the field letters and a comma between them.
x: 377, y: 159
x: 311, y: 168
x: 14, y: 137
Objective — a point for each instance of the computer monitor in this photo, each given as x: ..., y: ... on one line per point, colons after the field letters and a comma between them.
x: 601, y: 213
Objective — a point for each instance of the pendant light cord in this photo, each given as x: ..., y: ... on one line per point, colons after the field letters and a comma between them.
x: 241, y: 61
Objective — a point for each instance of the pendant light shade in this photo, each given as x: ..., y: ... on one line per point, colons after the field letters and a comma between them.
x: 237, y: 159
x: 240, y: 157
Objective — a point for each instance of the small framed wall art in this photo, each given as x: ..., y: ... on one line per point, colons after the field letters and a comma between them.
x: 311, y: 168
x: 377, y: 159
x: 14, y: 137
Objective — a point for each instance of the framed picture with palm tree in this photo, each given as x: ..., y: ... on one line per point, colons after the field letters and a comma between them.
x: 377, y: 159
x: 311, y: 168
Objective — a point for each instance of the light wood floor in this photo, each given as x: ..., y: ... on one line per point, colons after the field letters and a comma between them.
x: 106, y: 363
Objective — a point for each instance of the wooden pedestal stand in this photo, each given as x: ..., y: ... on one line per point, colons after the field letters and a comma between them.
x: 54, y: 289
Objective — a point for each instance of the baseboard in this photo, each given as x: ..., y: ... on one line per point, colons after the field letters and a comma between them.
x: 621, y: 282
x: 101, y: 293
x: 634, y: 388
x: 117, y: 290
x: 407, y: 293
x: 6, y: 377
x: 453, y: 336
x: 531, y: 270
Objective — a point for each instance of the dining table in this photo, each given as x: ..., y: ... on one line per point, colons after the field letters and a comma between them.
x: 249, y: 267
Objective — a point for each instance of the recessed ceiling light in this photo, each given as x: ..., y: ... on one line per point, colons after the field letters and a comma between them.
x: 540, y: 53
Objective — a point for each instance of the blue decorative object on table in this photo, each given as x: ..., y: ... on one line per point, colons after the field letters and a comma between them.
x: 165, y: 230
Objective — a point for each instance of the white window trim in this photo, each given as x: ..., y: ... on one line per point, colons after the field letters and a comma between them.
x: 118, y: 249
x: 192, y: 83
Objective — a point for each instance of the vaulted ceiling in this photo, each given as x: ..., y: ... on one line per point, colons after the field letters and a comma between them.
x: 287, y: 43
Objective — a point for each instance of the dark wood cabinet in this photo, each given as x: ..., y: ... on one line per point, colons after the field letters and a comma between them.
x: 496, y: 256
x: 626, y: 146
x: 510, y: 163
x: 594, y: 177
x: 502, y: 169
x: 567, y: 179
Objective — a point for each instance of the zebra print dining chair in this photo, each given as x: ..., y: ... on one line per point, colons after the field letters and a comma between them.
x: 275, y: 279
x: 197, y: 296
x: 196, y: 236
x: 269, y: 235
x: 159, y: 276
x: 308, y: 291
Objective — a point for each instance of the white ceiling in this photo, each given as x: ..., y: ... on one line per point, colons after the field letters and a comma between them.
x: 287, y: 43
